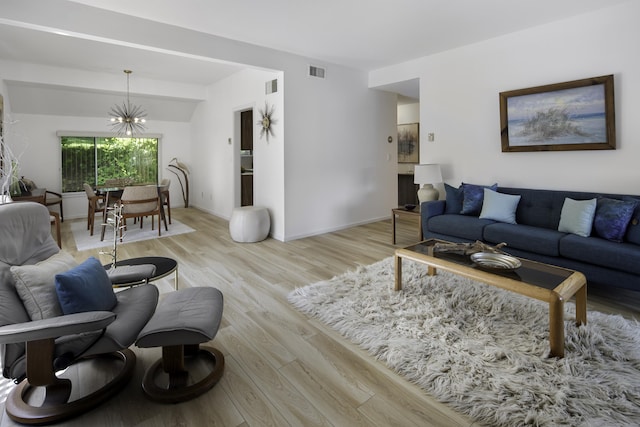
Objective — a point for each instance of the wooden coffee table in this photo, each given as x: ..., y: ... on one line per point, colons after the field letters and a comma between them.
x: 551, y: 284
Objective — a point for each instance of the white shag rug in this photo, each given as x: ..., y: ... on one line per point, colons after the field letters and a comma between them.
x: 483, y: 351
x: 134, y: 234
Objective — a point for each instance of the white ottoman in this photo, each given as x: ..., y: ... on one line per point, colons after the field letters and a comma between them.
x: 249, y: 224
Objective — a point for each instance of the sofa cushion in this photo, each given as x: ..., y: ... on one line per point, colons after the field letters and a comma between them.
x: 85, y: 288
x: 596, y: 251
x: 612, y: 218
x: 473, y: 197
x: 499, y: 207
x: 541, y: 208
x: 454, y: 197
x: 633, y: 229
x: 465, y: 227
x: 525, y: 237
x: 577, y: 216
x: 36, y: 285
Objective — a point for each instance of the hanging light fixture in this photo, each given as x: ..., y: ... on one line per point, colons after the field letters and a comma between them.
x: 127, y: 119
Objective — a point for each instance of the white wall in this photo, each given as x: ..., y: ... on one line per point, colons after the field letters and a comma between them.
x: 216, y: 142
x: 329, y: 166
x: 459, y: 102
x: 33, y: 138
x: 339, y: 168
x: 409, y: 113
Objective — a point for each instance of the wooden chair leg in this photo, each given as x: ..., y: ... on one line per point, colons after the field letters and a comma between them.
x: 91, y: 220
x: 168, y: 203
x: 56, y: 223
x: 89, y: 216
x: 104, y: 227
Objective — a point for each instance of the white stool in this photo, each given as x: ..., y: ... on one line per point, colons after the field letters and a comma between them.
x: 249, y: 224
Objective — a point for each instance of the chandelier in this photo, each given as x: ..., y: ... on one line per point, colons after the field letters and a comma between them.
x: 127, y: 119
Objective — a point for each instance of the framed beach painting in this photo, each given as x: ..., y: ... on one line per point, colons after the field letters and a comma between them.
x: 575, y: 115
x: 409, y: 143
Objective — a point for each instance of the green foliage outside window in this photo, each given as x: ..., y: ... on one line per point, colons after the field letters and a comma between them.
x: 95, y: 160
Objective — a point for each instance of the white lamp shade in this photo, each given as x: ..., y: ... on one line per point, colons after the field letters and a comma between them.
x: 427, y: 174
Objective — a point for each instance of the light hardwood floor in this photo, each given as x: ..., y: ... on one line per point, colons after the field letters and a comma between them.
x: 282, y: 368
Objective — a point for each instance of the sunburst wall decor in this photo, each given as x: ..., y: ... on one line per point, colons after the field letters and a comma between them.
x: 267, y: 121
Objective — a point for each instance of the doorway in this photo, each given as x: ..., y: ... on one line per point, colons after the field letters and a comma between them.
x: 246, y: 158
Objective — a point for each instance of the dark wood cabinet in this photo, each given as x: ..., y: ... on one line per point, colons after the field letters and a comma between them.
x: 407, y: 190
x: 246, y: 190
x: 246, y: 131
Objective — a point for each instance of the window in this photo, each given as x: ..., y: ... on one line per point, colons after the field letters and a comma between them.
x: 96, y: 159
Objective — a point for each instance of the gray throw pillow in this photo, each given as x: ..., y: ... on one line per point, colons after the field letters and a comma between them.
x: 499, y: 207
x: 577, y: 216
x: 36, y: 285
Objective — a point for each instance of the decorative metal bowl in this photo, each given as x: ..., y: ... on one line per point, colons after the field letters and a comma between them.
x: 409, y: 207
x: 495, y: 261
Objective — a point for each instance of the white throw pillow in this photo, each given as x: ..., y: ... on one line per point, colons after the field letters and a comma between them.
x: 577, y: 216
x: 499, y: 206
x: 36, y: 285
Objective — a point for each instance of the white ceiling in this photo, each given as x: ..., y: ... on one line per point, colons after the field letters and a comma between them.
x: 362, y: 34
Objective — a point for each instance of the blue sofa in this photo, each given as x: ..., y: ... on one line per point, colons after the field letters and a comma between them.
x: 535, y: 235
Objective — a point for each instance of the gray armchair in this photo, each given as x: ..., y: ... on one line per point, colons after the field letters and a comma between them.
x: 36, y: 344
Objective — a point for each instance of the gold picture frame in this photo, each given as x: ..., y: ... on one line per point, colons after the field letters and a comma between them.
x: 575, y: 115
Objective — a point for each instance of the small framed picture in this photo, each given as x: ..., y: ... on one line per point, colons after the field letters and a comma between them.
x: 409, y: 143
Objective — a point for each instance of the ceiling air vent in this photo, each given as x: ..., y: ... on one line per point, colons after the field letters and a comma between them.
x: 316, y: 71
x: 271, y: 86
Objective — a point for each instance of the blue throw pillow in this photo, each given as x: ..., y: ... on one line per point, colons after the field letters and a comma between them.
x: 454, y: 198
x: 612, y: 218
x: 499, y: 207
x: 85, y: 288
x: 473, y: 197
x: 577, y: 216
x: 633, y: 229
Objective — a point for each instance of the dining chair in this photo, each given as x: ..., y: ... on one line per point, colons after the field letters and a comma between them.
x: 51, y: 198
x: 164, y: 192
x: 139, y: 201
x: 96, y: 204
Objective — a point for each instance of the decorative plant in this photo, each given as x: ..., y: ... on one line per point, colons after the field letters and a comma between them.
x: 9, y: 164
x: 176, y: 165
x: 9, y: 173
x: 114, y: 220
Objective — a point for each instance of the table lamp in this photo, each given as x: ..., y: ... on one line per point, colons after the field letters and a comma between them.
x: 427, y: 175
